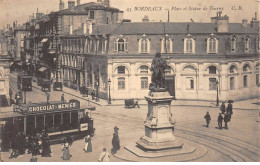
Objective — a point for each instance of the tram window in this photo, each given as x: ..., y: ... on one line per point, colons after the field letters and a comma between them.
x: 74, y: 120
x: 30, y: 125
x: 49, y: 123
x: 57, y: 121
x: 66, y: 120
x: 39, y: 123
x: 20, y: 124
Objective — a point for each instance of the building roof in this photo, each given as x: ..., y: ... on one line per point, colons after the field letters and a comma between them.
x: 83, y: 9
x: 169, y: 28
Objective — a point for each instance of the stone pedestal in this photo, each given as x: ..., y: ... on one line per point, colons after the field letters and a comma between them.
x: 159, y: 124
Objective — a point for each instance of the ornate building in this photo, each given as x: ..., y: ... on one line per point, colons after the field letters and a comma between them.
x: 203, y: 58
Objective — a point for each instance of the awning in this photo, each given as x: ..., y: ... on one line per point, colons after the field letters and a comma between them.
x: 42, y: 69
x: 44, y: 40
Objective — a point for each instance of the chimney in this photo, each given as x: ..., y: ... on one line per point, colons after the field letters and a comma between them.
x: 107, y: 3
x: 145, y: 19
x: 71, y: 30
x: 78, y: 2
x: 71, y: 5
x: 244, y: 23
x: 222, y: 24
x: 62, y: 5
x: 84, y: 27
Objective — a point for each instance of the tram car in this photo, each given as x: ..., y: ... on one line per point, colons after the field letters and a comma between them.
x: 24, y: 82
x: 58, y: 119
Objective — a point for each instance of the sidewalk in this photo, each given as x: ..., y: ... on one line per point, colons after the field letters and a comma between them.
x: 250, y: 104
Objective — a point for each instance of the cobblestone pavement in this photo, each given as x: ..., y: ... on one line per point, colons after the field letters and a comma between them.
x: 239, y: 143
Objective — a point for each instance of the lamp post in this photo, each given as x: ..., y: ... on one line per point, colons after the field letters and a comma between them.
x: 217, y: 83
x: 109, y: 97
x: 97, y: 85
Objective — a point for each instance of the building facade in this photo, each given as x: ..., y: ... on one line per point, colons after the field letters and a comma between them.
x: 203, y: 58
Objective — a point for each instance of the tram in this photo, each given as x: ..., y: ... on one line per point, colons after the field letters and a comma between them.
x: 24, y: 82
x: 58, y: 119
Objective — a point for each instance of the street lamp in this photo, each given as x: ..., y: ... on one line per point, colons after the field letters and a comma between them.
x: 217, y: 83
x: 97, y: 85
x: 109, y: 97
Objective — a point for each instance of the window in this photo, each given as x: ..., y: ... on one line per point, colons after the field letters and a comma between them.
x: 245, y: 81
x: 257, y: 80
x: 212, y: 45
x: 246, y: 44
x: 232, y: 83
x: 91, y: 15
x: 190, y: 83
x: 144, y: 82
x: 246, y: 68
x: 166, y: 45
x: 144, y: 69
x: 104, y: 43
x: 121, y: 70
x: 189, y: 45
x: 232, y: 69
x: 233, y: 44
x: 212, y: 70
x: 212, y: 83
x: 120, y: 45
x: 121, y: 83
x: 143, y: 45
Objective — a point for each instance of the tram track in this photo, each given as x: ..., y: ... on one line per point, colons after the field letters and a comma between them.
x: 235, y: 149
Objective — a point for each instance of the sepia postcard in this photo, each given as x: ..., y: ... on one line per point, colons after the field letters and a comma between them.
x: 129, y: 81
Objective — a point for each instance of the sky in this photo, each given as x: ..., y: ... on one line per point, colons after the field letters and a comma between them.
x: 156, y: 10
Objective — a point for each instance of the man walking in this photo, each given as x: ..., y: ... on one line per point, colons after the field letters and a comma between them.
x: 104, y: 156
x: 226, y: 120
x: 93, y: 95
x: 229, y: 110
x: 208, y: 118
x: 220, y: 119
x: 223, y: 107
x: 62, y: 98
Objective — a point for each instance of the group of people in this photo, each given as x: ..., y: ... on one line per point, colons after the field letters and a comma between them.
x: 226, y: 112
x: 37, y: 144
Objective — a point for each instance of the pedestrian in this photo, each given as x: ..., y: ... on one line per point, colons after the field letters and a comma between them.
x: 66, y: 151
x: 20, y: 141
x: 86, y: 91
x: 220, y: 119
x: 104, y: 156
x: 136, y: 104
x: 88, y: 145
x: 14, y: 152
x: 46, y: 149
x: 223, y: 108
x: 230, y: 110
x: 115, y: 141
x: 226, y: 120
x: 48, y: 97
x: 93, y: 95
x: 29, y: 144
x: 23, y: 143
x: 62, y: 98
x: 208, y: 118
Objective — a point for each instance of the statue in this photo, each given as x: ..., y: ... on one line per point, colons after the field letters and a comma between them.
x: 159, y: 64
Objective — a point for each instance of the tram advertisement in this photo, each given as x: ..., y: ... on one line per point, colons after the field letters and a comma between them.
x: 50, y: 107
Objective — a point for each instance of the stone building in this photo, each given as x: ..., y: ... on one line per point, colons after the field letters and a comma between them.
x: 202, y: 57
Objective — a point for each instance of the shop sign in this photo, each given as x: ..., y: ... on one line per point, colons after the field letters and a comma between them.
x: 83, y: 127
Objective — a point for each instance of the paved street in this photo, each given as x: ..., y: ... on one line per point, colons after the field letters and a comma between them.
x: 239, y: 143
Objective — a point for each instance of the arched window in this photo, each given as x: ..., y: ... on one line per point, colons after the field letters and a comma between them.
x: 144, y: 45
x: 246, y: 68
x: 232, y: 69
x: 233, y: 43
x: 246, y: 42
x: 189, y: 44
x: 120, y: 44
x: 212, y: 70
x: 166, y: 45
x: 121, y: 70
x: 212, y: 44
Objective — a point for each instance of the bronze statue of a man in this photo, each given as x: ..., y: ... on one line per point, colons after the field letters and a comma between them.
x: 159, y: 64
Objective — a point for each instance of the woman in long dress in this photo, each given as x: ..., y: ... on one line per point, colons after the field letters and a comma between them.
x: 115, y: 141
x: 46, y: 149
x: 88, y: 145
x: 65, y: 149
